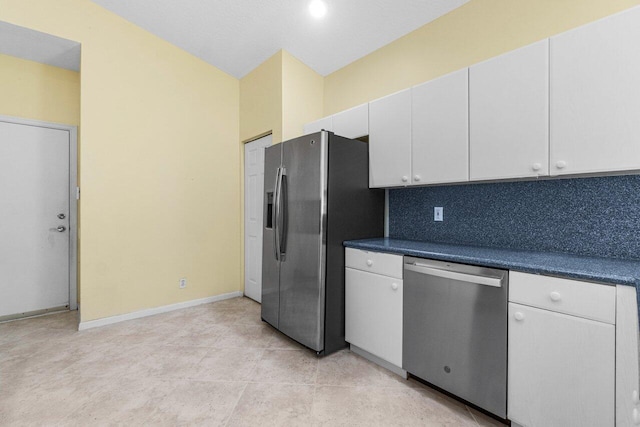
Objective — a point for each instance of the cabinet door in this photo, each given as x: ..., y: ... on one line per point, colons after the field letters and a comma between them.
x: 561, y: 369
x: 325, y: 123
x: 390, y: 140
x: 509, y: 114
x: 440, y: 130
x: 373, y: 314
x: 352, y: 123
x: 627, y: 369
x: 595, y: 96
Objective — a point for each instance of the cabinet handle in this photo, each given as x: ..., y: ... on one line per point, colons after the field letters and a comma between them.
x: 519, y: 316
x: 555, y: 296
x: 536, y: 166
x: 416, y: 178
x: 561, y: 164
x: 405, y: 178
x: 369, y: 262
x: 394, y: 286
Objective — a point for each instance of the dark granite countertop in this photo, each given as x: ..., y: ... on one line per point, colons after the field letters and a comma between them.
x: 602, y: 270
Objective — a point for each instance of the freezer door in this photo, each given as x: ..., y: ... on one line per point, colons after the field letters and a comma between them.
x: 303, y: 246
x: 270, y: 264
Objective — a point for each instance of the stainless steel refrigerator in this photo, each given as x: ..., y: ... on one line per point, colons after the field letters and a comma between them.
x: 316, y: 195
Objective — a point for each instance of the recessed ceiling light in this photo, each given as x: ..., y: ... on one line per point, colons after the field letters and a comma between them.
x: 317, y: 8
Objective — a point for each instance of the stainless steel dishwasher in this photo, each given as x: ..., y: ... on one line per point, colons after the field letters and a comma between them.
x: 455, y: 330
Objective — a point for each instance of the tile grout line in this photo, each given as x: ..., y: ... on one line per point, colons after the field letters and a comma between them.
x: 236, y: 404
x: 253, y: 372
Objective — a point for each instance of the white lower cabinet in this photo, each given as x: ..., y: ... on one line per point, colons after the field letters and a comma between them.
x: 373, y: 314
x: 561, y: 369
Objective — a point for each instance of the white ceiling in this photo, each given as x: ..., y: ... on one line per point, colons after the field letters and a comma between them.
x: 238, y: 35
x: 40, y: 47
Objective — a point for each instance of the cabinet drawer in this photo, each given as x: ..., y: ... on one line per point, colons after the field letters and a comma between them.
x: 588, y: 300
x: 374, y: 262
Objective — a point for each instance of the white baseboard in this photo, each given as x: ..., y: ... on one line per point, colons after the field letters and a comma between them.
x: 156, y: 310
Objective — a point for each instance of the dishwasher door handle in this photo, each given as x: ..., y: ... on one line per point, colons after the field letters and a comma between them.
x: 463, y: 277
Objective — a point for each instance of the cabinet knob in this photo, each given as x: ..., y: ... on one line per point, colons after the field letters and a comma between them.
x: 405, y: 178
x: 536, y: 166
x: 416, y: 178
x: 394, y: 286
x: 561, y: 164
x: 636, y: 416
x: 519, y: 316
x: 369, y: 262
x: 555, y: 296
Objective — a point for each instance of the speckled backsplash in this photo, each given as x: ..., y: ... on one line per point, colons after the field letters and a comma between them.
x: 584, y: 216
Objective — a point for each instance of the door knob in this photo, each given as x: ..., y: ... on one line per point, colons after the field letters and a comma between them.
x: 61, y: 216
x: 61, y: 229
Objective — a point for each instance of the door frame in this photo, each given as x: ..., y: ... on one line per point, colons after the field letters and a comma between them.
x: 244, y: 207
x: 74, y: 196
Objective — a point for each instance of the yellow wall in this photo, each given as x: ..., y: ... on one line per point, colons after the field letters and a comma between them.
x: 302, y: 91
x: 160, y: 165
x: 261, y: 100
x: 279, y: 96
x: 476, y: 31
x: 40, y: 92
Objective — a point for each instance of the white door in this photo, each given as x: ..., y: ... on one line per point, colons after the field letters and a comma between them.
x: 34, y: 218
x: 509, y: 114
x: 373, y: 314
x: 561, y: 369
x: 253, y: 199
x: 440, y: 130
x: 390, y: 140
x: 595, y: 96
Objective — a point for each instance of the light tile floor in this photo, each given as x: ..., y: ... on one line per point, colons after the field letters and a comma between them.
x: 215, y: 364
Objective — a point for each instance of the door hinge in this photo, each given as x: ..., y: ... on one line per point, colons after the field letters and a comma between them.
x: 77, y: 193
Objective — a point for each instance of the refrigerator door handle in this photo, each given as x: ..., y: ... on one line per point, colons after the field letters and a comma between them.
x: 275, y: 214
x: 283, y: 212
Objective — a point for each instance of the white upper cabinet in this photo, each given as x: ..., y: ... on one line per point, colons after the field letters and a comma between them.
x: 390, y: 140
x: 509, y: 114
x: 352, y: 123
x: 440, y: 130
x: 595, y: 96
x: 325, y: 123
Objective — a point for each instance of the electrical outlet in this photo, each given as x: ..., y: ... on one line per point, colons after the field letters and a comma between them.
x: 183, y: 283
x: 438, y: 213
